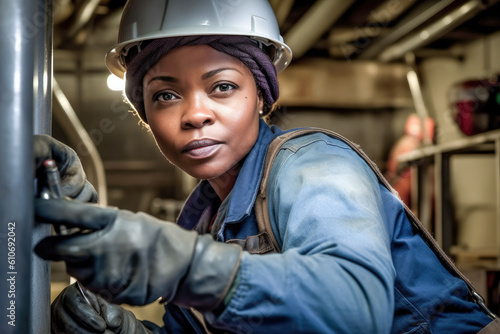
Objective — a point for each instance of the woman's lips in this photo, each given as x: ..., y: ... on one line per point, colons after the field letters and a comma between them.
x: 200, y: 149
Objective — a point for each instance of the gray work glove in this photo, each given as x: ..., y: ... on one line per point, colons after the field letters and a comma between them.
x: 70, y: 313
x: 135, y: 258
x: 73, y: 179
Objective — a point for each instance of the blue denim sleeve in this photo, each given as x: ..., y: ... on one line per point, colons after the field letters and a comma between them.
x: 335, y: 274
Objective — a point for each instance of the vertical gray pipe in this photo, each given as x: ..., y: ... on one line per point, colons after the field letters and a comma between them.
x: 18, y: 33
x: 43, y: 69
x: 42, y: 117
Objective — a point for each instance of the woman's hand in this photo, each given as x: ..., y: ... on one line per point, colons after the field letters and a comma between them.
x: 72, y: 314
x: 136, y: 258
x: 74, y: 181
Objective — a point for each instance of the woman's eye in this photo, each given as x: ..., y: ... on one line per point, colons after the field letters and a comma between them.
x: 164, y: 96
x: 224, y: 87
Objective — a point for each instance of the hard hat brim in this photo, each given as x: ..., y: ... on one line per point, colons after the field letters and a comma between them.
x: 114, y: 63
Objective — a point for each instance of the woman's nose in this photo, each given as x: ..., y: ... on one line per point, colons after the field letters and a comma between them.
x: 197, y: 113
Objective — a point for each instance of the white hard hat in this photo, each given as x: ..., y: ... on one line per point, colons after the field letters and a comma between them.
x: 153, y: 19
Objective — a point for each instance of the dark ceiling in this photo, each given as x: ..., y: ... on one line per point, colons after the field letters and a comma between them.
x: 362, y: 30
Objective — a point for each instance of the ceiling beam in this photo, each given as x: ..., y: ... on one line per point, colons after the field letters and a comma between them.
x: 433, y: 31
x: 425, y: 11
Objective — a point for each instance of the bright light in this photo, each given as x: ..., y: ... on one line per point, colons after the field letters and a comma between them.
x: 115, y: 83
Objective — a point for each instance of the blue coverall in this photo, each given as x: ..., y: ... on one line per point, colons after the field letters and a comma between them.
x: 350, y: 263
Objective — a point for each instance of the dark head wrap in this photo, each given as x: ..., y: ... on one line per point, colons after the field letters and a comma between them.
x: 240, y: 47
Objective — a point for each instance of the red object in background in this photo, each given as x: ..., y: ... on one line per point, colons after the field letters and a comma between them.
x: 400, y: 179
x: 475, y: 105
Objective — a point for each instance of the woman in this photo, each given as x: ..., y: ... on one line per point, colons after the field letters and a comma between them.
x: 351, y: 261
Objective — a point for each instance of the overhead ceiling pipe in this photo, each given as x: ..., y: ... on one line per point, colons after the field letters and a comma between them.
x: 83, y: 16
x: 389, y: 11
x: 416, y: 18
x: 314, y: 23
x: 281, y: 9
x: 62, y: 10
x: 433, y: 31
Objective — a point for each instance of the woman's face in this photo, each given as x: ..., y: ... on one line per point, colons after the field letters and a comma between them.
x: 203, y: 109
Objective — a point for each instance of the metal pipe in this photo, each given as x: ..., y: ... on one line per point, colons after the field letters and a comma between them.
x: 43, y: 70
x: 425, y: 210
x: 424, y: 12
x: 18, y: 32
x: 387, y: 12
x: 417, y: 96
x: 316, y: 21
x: 67, y: 117
x: 83, y: 16
x: 40, y: 269
x: 281, y: 9
x: 433, y: 31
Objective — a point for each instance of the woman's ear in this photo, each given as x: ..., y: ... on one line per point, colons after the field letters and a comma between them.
x: 260, y: 101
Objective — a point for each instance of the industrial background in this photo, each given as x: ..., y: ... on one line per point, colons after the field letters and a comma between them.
x: 361, y: 68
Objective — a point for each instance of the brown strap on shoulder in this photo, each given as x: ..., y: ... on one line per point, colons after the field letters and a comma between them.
x: 199, y: 317
x: 264, y: 223
x: 261, y: 202
x: 256, y: 244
